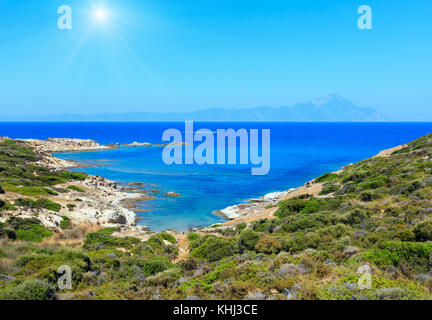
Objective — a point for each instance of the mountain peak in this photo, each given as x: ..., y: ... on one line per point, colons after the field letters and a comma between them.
x: 326, y: 99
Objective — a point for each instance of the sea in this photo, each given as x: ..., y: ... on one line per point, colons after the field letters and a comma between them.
x: 299, y: 152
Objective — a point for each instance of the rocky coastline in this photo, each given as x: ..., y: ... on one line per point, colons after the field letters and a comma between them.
x: 106, y: 203
x: 93, y: 201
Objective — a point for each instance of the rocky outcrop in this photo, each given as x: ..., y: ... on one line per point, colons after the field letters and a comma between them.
x: 172, y: 194
x: 66, y: 145
x: 137, y: 144
x: 100, y: 203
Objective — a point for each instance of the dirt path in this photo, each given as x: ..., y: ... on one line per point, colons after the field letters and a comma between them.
x: 183, y: 247
x: 388, y: 152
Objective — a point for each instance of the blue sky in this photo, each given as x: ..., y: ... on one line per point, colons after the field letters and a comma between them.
x: 184, y: 55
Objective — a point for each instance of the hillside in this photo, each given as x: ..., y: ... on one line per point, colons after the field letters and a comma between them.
x: 373, y: 217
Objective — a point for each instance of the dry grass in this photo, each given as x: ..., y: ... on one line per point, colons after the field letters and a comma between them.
x: 73, y: 237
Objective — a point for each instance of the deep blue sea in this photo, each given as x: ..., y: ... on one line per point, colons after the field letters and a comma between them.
x: 299, y: 152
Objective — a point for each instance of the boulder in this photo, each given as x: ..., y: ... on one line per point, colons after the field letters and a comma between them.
x: 364, y: 269
x: 350, y: 251
x: 290, y: 293
x: 288, y: 269
x: 255, y: 296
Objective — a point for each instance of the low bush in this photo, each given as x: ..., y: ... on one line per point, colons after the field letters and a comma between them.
x: 423, y: 231
x: 65, y: 223
x: 67, y: 175
x: 29, y: 290
x: 104, y: 239
x: 75, y: 188
x: 215, y: 248
x: 368, y: 196
x: 394, y: 253
x: 38, y: 204
x: 248, y: 239
x: 327, y: 177
x: 268, y: 245
x: 28, y: 229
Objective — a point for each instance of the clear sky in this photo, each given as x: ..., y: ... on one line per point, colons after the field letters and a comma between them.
x: 185, y: 55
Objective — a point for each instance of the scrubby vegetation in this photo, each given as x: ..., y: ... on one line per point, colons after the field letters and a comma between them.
x: 24, y: 229
x: 75, y: 188
x: 38, y: 204
x: 374, y: 215
x: 20, y: 173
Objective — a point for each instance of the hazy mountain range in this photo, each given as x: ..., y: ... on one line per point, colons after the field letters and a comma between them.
x: 330, y: 108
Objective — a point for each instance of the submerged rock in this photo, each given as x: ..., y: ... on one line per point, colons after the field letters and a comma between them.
x: 172, y: 194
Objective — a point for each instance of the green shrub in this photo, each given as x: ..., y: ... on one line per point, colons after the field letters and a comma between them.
x: 75, y: 188
x: 156, y: 264
x: 330, y: 188
x: 423, y: 231
x: 50, y: 191
x: 215, y: 248
x: 65, y: 223
x: 67, y: 175
x: 248, y: 239
x: 240, y: 227
x: 157, y: 244
x: 308, y: 221
x: 30, y: 191
x: 104, y: 239
x: 305, y: 206
x: 374, y: 183
x: 193, y: 236
x: 355, y: 217
x: 168, y: 237
x: 368, y: 196
x: 405, y: 234
x: 6, y: 206
x: 38, y: 204
x: 7, y: 233
x: 394, y: 253
x: 327, y: 177
x: 164, y: 278
x: 268, y: 245
x: 408, y: 188
x: 190, y: 263
x: 28, y: 229
x: 48, y: 204
x: 29, y: 290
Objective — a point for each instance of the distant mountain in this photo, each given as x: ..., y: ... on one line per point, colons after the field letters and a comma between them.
x: 331, y: 108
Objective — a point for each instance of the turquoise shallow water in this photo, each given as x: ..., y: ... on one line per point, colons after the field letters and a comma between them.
x: 299, y: 152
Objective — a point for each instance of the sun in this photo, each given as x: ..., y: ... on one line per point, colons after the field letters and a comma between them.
x: 100, y: 14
